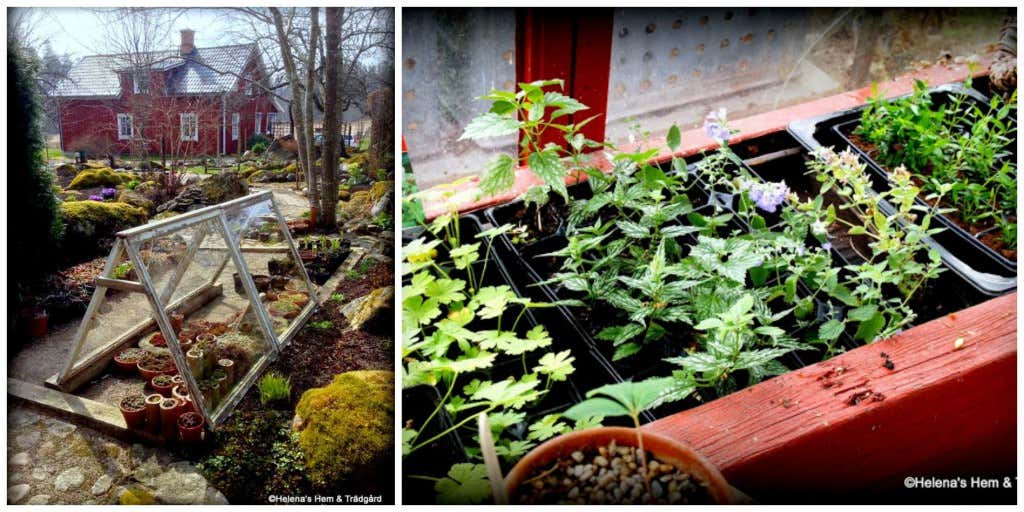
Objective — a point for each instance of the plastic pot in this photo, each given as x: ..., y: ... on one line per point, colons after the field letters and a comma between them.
x: 190, y: 427
x: 134, y: 413
x: 665, y: 449
x: 153, y: 412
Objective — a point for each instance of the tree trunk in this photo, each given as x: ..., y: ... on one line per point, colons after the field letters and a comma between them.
x: 297, y: 96
x: 313, y: 176
x: 331, y: 127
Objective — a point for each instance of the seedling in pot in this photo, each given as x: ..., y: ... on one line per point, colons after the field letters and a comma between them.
x: 531, y: 111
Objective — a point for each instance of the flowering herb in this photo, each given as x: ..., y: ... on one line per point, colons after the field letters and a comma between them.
x: 108, y: 193
x: 767, y: 196
x: 716, y: 126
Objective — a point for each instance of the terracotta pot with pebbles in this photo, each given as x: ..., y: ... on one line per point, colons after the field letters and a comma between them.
x: 153, y: 412
x: 190, y: 427
x: 170, y: 410
x: 604, y: 466
x: 127, y: 360
x: 133, y: 408
x: 162, y: 384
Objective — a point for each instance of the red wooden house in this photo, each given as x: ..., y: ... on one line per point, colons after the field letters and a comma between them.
x: 185, y: 102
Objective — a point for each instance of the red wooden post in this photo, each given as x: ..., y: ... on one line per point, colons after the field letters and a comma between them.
x: 574, y: 45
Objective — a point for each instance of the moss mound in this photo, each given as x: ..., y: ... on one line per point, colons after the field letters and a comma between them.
x: 249, y: 171
x: 347, y: 426
x: 103, y: 177
x: 138, y: 200
x: 91, y: 225
x: 358, y: 159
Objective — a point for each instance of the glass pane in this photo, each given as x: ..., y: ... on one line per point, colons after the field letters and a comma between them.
x: 276, y: 273
x: 452, y: 56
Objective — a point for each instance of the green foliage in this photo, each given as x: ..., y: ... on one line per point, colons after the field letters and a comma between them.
x: 259, y: 148
x: 103, y: 177
x: 337, y: 297
x: 455, y: 329
x: 348, y: 427
x: 322, y: 325
x: 274, y: 387
x: 627, y: 399
x: 35, y: 235
x: 123, y: 270
x: 531, y: 111
x: 258, y: 138
x: 964, y: 144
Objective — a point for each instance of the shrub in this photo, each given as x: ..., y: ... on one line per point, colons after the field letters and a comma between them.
x: 258, y: 138
x: 104, y: 177
x: 347, y: 426
x: 275, y: 387
x: 91, y: 225
x: 36, y: 227
x: 259, y: 148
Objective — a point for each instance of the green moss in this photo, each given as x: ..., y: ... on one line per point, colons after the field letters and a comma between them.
x: 104, y: 177
x: 91, y: 225
x: 292, y: 167
x: 137, y: 497
x: 359, y: 159
x: 249, y: 171
x: 138, y: 200
x: 347, y: 426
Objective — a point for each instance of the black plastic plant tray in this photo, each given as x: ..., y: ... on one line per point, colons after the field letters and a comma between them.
x: 983, y: 268
x: 590, y: 371
x: 417, y: 403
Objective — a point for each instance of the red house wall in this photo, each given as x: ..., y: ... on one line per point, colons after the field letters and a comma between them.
x: 91, y: 123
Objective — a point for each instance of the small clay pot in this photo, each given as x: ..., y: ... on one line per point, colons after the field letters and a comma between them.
x: 127, y: 361
x: 38, y: 324
x: 229, y: 367
x: 133, y: 408
x: 180, y: 391
x: 177, y: 319
x: 262, y: 283
x: 665, y: 449
x: 194, y: 357
x: 153, y: 412
x: 162, y: 384
x: 190, y: 427
x: 170, y: 409
x: 147, y: 372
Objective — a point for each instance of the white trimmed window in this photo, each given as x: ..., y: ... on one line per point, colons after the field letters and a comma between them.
x: 235, y: 121
x: 271, y: 121
x: 248, y: 85
x: 189, y: 126
x: 125, y: 131
x: 259, y: 122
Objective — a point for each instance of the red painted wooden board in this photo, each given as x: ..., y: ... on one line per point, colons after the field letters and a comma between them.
x: 464, y: 196
x: 851, y: 430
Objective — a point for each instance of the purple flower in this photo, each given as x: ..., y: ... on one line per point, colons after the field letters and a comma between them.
x: 96, y: 197
x: 766, y: 195
x: 827, y: 246
x: 109, y: 193
x: 716, y: 125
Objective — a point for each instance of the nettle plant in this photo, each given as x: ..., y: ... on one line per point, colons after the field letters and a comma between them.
x: 532, y: 112
x: 878, y: 290
x: 964, y: 144
x: 455, y: 329
x: 669, y: 267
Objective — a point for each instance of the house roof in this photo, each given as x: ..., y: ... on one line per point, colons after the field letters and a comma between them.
x: 204, y: 71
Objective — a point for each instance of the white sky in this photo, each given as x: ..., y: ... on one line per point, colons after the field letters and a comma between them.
x: 79, y: 32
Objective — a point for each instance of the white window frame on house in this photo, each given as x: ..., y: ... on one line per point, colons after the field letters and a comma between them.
x: 248, y: 84
x: 189, y: 120
x: 139, y: 86
x: 236, y: 120
x: 271, y: 121
x: 125, y: 121
x: 259, y: 121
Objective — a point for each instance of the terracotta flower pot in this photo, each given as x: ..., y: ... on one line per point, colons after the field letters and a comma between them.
x: 229, y: 368
x: 153, y: 412
x: 133, y: 408
x: 194, y: 357
x: 177, y: 319
x: 162, y: 384
x: 190, y: 427
x: 180, y: 392
x: 665, y: 449
x: 127, y: 360
x: 169, y: 412
x: 38, y: 324
x: 147, y: 372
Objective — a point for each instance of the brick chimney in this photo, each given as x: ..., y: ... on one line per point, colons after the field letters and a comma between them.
x: 188, y: 41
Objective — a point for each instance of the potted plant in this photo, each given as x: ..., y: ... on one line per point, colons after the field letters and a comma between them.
x: 300, y: 299
x: 162, y: 384
x: 220, y: 377
x: 38, y: 323
x: 170, y: 410
x: 194, y: 357
x: 283, y: 309
x: 127, y: 360
x: 153, y: 412
x: 190, y: 427
x: 228, y: 366
x: 180, y: 391
x: 155, y: 364
x: 210, y: 393
x: 643, y: 468
x: 133, y: 408
x: 177, y: 319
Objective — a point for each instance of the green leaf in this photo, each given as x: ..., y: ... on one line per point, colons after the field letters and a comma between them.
x: 408, y: 435
x: 632, y: 229
x: 592, y: 407
x: 674, y: 138
x: 868, y: 330
x: 420, y: 311
x: 547, y: 165
x: 464, y: 255
x: 557, y: 366
x: 499, y: 176
x: 465, y: 484
x: 511, y: 451
x: 862, y: 313
x: 446, y: 291
x: 492, y: 300
x: 489, y: 125
x: 546, y: 428
x: 830, y: 330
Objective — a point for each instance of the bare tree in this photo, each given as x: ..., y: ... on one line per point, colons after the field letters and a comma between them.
x: 313, y: 181
x: 330, y: 155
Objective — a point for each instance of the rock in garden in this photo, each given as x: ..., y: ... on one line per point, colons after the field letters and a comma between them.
x: 102, y: 485
x: 42, y: 499
x: 179, y: 486
x: 19, y: 459
x: 69, y: 479
x: 373, y: 311
x: 27, y: 440
x: 213, y: 190
x: 17, y: 493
